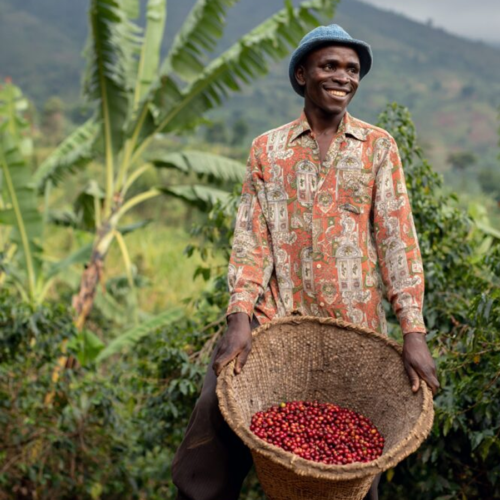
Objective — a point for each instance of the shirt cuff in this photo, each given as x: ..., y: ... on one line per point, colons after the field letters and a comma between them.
x: 411, y: 321
x: 243, y: 307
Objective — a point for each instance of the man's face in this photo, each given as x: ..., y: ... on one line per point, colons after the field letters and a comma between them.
x: 331, y: 77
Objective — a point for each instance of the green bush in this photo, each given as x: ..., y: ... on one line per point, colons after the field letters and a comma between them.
x: 61, y: 450
x: 462, y: 312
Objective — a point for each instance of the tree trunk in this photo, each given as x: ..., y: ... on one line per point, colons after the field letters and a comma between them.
x: 91, y: 277
x: 84, y: 300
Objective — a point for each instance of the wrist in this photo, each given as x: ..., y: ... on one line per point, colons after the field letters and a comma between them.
x: 238, y: 317
x: 414, y: 334
x: 414, y: 337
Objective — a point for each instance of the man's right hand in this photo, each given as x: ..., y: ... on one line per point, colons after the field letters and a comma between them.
x: 236, y: 343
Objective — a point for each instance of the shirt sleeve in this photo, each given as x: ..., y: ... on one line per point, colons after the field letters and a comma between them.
x: 251, y: 263
x: 397, y: 244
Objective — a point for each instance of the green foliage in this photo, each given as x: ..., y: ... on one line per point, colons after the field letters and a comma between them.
x: 130, y: 337
x: 200, y: 32
x: 74, y: 153
x: 462, y: 313
x: 20, y: 210
x: 64, y: 450
x: 134, y: 101
x: 22, y: 225
x: 212, y: 168
x: 106, y: 435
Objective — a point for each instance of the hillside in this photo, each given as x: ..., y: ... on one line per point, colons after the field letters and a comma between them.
x: 452, y: 85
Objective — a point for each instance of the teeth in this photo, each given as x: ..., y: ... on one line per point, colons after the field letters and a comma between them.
x: 338, y: 93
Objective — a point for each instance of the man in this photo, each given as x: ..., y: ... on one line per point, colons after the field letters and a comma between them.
x: 324, y: 222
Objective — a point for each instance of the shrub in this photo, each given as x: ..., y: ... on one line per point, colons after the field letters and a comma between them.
x: 58, y: 450
x: 462, y: 312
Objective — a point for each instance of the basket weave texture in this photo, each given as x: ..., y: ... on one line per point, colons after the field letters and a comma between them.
x: 328, y: 360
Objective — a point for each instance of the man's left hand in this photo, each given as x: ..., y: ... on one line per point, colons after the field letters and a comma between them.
x: 418, y: 362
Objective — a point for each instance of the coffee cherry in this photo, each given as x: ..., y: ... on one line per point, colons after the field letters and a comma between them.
x: 321, y: 432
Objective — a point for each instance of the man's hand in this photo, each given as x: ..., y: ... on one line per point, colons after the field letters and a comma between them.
x: 418, y: 362
x: 236, y: 343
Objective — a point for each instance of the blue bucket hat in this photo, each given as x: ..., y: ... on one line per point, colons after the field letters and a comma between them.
x: 328, y: 35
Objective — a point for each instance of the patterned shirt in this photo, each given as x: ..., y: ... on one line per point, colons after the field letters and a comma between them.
x: 326, y: 238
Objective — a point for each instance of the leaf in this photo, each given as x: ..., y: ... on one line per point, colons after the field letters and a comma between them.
x: 204, y: 272
x: 390, y: 475
x: 111, y: 67
x: 201, y: 197
x: 476, y: 438
x: 130, y: 228
x: 243, y: 62
x: 126, y: 260
x: 63, y: 218
x: 73, y: 154
x: 85, y: 206
x: 205, y: 165
x: 156, y: 14
x: 168, y: 108
x: 111, y: 308
x: 23, y: 215
x: 199, y: 33
x: 132, y: 8
x: 132, y: 336
x: 86, y: 345
x: 485, y: 228
x: 13, y: 105
x: 80, y: 256
x: 448, y: 424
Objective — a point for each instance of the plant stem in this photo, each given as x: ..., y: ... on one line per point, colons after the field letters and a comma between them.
x: 21, y: 227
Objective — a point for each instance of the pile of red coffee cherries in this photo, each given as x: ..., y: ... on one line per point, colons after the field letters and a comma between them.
x: 322, y: 432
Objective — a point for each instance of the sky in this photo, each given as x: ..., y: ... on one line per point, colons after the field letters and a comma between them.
x: 476, y: 19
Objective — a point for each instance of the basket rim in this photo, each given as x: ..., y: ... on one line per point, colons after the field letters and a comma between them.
x: 301, y: 466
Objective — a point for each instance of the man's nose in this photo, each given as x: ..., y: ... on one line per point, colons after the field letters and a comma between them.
x: 341, y: 77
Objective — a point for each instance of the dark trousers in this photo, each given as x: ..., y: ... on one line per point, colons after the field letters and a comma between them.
x: 212, y: 462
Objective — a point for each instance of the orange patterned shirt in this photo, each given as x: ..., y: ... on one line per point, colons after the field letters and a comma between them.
x: 326, y: 239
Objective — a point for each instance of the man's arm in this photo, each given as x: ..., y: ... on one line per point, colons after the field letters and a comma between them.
x: 250, y: 268
x: 401, y: 265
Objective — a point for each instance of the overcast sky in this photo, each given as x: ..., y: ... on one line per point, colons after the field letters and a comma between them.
x: 477, y: 19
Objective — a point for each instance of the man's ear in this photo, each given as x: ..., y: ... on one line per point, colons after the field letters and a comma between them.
x: 300, y: 75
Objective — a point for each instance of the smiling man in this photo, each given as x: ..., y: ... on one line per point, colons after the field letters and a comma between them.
x: 324, y: 225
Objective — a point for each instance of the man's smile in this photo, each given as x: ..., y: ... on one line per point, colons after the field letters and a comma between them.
x: 336, y: 93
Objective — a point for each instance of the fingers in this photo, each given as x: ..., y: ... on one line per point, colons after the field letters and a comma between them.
x: 225, y: 356
x: 413, y: 376
x: 222, y: 359
x: 430, y: 378
x: 241, y: 359
x: 427, y: 372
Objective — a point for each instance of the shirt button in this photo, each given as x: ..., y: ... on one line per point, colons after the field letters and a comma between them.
x: 318, y: 266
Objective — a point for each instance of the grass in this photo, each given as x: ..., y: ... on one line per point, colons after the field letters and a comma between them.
x: 157, y: 252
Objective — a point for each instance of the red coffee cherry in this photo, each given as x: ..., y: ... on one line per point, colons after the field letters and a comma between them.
x: 322, y: 432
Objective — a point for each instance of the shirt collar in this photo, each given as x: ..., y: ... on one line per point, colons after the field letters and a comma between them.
x: 348, y: 126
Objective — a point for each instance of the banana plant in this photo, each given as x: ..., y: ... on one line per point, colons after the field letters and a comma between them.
x: 137, y: 97
x: 22, y: 224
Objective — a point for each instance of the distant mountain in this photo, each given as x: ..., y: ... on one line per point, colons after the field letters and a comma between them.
x: 41, y: 43
x: 452, y: 85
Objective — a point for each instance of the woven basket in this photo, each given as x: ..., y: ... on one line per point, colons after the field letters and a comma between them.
x: 323, y: 359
